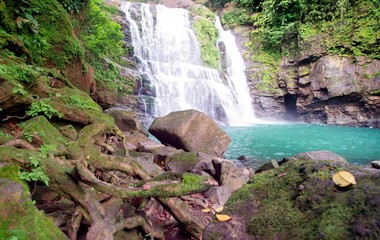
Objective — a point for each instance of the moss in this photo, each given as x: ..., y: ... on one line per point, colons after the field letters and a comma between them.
x: 207, y: 35
x: 12, y: 172
x: 182, y: 162
x: 376, y: 92
x: 20, y: 219
x: 4, y: 137
x: 45, y: 130
x: 69, y: 132
x: 299, y: 200
x: 47, y: 31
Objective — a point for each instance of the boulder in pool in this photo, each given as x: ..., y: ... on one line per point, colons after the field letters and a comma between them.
x: 192, y: 131
x: 317, y: 156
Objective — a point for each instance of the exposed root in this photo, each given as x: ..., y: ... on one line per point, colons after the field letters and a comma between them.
x: 182, y: 213
x: 19, y: 143
x: 138, y: 221
x: 75, y: 223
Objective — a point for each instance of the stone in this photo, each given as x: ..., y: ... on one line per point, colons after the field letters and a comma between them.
x: 292, y: 198
x: 192, y: 131
x: 182, y: 162
x: 148, y: 146
x: 146, y: 161
x: 317, y: 156
x: 19, y: 217
x: 127, y: 121
x: 232, y: 176
x: 376, y: 164
x: 105, y: 95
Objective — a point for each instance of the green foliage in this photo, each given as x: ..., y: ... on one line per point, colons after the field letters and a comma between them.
x: 22, y: 73
x: 376, y: 92
x: 84, y: 103
x: 102, y: 36
x: 43, y: 107
x: 19, y: 89
x: 237, y: 17
x: 351, y: 27
x: 72, y: 6
x: 12, y: 172
x: 207, y: 35
x: 43, y: 28
x: 37, y: 172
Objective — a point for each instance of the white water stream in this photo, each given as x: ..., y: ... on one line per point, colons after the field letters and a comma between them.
x: 169, y: 58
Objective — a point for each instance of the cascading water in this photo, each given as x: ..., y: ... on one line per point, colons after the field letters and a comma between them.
x: 173, y: 74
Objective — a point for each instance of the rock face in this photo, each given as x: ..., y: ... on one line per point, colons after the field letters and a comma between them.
x: 315, y: 87
x: 299, y: 200
x: 191, y: 131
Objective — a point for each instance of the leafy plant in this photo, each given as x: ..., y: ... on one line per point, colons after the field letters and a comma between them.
x: 43, y: 106
x: 237, y: 17
x: 102, y: 36
x: 80, y: 102
x: 37, y: 172
x: 72, y: 6
x: 19, y: 89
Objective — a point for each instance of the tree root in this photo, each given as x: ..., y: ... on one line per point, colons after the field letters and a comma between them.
x: 72, y: 175
x: 139, y: 221
x: 19, y: 143
x: 75, y: 223
x: 182, y: 213
x: 161, y: 190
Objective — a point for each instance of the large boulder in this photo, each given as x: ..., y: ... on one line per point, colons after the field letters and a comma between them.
x: 191, y: 131
x: 321, y: 155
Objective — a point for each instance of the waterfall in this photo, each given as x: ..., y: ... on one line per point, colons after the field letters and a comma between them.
x: 173, y: 74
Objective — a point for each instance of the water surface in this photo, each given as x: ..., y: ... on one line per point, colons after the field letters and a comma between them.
x: 263, y: 142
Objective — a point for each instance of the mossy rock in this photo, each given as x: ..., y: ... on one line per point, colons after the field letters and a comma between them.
x: 20, y: 219
x: 299, y: 200
x: 182, y: 162
x: 45, y: 130
x: 69, y: 132
x: 11, y: 172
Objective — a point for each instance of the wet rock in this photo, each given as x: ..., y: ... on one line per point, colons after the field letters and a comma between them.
x: 242, y: 158
x: 318, y: 156
x: 375, y: 164
x: 191, y: 131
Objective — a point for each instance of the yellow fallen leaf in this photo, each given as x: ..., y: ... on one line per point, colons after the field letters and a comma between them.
x: 206, y: 210
x: 222, y: 217
x: 343, y: 179
x: 219, y: 209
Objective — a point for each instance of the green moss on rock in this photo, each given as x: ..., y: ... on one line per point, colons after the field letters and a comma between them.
x: 12, y: 172
x: 299, y: 200
x: 20, y: 219
x: 41, y: 127
x: 207, y: 35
